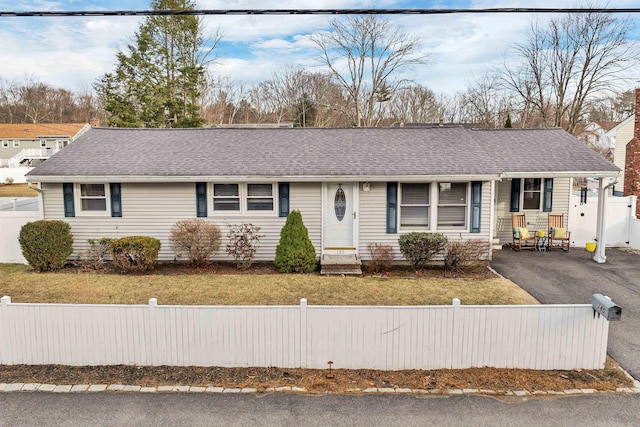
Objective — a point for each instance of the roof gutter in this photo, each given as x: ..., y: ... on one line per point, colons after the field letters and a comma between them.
x: 573, y: 174
x: 259, y: 178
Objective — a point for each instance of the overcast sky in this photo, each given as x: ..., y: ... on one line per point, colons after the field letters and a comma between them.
x: 73, y: 52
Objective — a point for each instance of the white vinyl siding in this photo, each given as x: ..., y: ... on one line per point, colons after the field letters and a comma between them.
x: 152, y: 209
x: 536, y: 219
x: 372, y: 220
x: 624, y: 134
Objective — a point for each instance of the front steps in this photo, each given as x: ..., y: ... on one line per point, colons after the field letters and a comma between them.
x: 340, y: 265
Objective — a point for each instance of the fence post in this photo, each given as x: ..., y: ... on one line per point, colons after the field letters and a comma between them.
x: 303, y: 332
x: 456, y: 335
x: 153, y: 326
x: 5, y: 300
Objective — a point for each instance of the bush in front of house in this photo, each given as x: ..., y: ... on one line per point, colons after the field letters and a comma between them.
x: 195, y: 239
x: 295, y: 252
x: 46, y: 244
x: 381, y: 257
x: 96, y: 255
x: 466, y: 254
x: 420, y: 248
x: 243, y: 243
x: 135, y: 253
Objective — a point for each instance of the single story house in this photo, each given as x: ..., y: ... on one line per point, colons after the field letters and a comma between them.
x: 353, y: 186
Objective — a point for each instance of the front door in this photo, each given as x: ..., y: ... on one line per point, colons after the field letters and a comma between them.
x: 339, y: 216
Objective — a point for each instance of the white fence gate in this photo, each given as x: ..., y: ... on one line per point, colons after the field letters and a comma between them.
x: 620, y: 218
x: 10, y: 224
x: 353, y: 337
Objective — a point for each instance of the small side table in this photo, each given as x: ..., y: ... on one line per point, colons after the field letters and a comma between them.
x: 541, y: 243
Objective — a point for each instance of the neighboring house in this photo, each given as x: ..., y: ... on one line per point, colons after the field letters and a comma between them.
x: 597, y: 134
x: 353, y: 186
x: 26, y: 144
x: 622, y: 134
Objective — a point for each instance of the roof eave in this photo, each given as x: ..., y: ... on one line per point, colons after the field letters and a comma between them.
x: 565, y: 174
x: 260, y: 178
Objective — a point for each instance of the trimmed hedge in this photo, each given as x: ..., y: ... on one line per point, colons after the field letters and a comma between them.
x: 46, y: 244
x: 135, y: 253
x: 420, y: 248
x: 295, y: 252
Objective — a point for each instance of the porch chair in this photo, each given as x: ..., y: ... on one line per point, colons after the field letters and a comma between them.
x: 520, y: 233
x: 558, y: 233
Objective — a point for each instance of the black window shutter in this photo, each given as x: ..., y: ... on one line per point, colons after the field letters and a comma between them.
x: 201, y: 199
x: 547, y: 204
x: 116, y: 200
x: 476, y: 202
x: 515, y: 195
x: 283, y: 199
x: 392, y: 207
x: 69, y: 209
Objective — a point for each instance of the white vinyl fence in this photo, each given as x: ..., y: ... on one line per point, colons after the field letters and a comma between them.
x: 10, y: 225
x: 622, y: 227
x: 388, y: 338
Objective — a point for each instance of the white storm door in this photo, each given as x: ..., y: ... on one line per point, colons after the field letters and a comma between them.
x: 338, y: 216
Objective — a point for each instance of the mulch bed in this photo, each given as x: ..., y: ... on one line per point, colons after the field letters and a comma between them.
x: 315, y: 381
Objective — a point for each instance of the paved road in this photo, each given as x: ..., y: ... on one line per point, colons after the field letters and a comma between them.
x: 571, y: 278
x: 110, y: 409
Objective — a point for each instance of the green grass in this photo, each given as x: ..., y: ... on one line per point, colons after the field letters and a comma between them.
x: 17, y: 190
x: 23, y: 285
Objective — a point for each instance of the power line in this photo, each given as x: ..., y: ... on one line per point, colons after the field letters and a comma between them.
x: 71, y: 13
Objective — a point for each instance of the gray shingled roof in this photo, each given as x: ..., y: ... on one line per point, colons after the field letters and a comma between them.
x: 312, y: 152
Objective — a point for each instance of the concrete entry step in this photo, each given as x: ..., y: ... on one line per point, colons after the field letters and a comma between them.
x: 340, y: 265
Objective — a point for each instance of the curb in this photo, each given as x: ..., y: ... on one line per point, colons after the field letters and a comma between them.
x: 97, y: 388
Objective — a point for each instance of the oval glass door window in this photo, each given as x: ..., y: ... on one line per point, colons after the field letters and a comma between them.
x: 340, y: 204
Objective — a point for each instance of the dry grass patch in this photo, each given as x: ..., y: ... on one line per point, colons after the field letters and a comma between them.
x: 17, y: 190
x: 247, y: 289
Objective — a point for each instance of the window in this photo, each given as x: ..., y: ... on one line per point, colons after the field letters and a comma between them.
x: 226, y: 197
x: 5, y: 143
x: 16, y: 143
x: 243, y: 198
x: 43, y: 143
x: 414, y: 205
x: 452, y: 205
x: 93, y: 198
x: 531, y: 194
x: 259, y: 197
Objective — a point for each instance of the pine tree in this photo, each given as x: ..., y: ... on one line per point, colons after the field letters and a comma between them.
x: 295, y: 252
x: 507, y: 123
x: 157, y: 78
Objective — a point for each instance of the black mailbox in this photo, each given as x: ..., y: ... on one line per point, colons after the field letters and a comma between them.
x: 604, y: 306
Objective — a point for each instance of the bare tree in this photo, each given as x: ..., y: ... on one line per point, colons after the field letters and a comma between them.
x: 415, y: 104
x: 365, y: 55
x: 569, y: 61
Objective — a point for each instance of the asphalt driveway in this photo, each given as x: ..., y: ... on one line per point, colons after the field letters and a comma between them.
x: 559, y: 277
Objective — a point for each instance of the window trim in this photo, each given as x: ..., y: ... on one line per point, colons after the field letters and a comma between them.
x: 243, y: 190
x: 467, y: 222
x: 16, y: 143
x: 5, y: 143
x: 43, y: 143
x: 541, y: 198
x: 78, y: 200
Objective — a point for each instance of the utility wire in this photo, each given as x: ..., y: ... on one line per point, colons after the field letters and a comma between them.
x: 68, y: 13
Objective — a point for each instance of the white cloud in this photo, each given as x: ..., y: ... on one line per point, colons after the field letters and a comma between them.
x: 73, y: 52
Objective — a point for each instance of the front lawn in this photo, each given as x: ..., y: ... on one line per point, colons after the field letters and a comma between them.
x: 71, y: 287
x: 17, y: 190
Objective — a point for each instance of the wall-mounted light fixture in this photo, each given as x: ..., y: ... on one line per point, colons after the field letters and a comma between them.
x: 366, y: 187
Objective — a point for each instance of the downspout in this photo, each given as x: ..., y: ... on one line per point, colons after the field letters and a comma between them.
x: 599, y: 256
